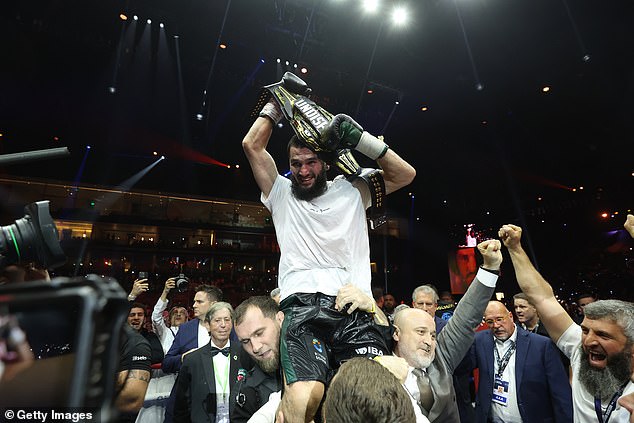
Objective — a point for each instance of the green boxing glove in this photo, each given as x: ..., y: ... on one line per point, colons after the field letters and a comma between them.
x: 345, y: 132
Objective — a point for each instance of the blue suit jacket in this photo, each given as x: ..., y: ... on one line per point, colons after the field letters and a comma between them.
x: 543, y: 390
x: 186, y: 338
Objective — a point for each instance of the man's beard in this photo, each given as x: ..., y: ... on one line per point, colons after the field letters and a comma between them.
x: 307, y: 194
x: 604, y: 383
x: 270, y: 365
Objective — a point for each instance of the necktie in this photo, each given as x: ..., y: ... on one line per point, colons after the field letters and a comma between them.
x: 425, y: 391
x: 225, y: 351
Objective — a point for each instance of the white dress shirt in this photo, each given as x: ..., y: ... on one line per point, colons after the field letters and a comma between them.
x: 511, y: 412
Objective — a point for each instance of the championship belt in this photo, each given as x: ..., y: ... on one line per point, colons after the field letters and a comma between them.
x: 308, y: 121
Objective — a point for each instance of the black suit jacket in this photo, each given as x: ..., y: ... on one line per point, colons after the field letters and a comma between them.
x: 195, y: 386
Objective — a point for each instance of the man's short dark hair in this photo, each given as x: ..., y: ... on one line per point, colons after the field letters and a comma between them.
x: 138, y: 305
x: 365, y: 391
x: 213, y: 292
x: 324, y: 156
x: 266, y: 304
x: 586, y: 295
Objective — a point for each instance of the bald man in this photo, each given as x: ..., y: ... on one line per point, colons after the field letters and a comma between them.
x: 521, y: 376
x: 432, y: 359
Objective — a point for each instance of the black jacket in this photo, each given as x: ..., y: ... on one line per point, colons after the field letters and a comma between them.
x: 253, y: 393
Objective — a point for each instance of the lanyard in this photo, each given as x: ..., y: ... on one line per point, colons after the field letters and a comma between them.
x: 604, y: 417
x: 502, y: 363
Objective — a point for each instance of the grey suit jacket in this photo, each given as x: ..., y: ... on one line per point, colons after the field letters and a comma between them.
x: 452, y: 344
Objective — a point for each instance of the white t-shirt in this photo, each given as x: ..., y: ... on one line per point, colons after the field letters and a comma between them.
x: 582, y: 401
x: 323, y: 242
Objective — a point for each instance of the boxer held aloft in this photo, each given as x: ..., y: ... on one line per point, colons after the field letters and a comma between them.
x: 345, y: 132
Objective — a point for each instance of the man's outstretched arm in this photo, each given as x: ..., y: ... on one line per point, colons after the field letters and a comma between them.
x: 397, y: 173
x: 539, y: 292
x: 345, y: 132
x: 255, y: 143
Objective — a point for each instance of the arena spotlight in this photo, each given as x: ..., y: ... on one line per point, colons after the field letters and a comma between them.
x: 295, y: 65
x: 135, y: 17
x: 199, y: 116
x: 303, y: 70
x: 370, y: 6
x: 123, y: 17
x: 112, y: 90
x: 279, y: 60
x: 399, y: 16
x: 149, y: 21
x: 261, y: 60
x: 287, y: 63
x: 162, y: 25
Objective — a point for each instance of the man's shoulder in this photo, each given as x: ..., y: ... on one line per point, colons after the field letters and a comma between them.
x: 189, y: 325
x: 135, y: 351
x: 132, y: 339
x: 483, y: 340
x: 538, y: 339
x: 440, y: 323
x: 197, y: 353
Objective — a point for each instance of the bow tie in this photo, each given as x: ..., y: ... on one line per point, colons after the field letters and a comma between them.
x: 225, y: 351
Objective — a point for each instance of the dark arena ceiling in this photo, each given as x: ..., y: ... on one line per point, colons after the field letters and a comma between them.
x: 491, y: 145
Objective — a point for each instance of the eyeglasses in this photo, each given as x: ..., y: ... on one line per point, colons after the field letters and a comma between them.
x: 498, y: 320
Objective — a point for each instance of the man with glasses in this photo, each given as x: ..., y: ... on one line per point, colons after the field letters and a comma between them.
x: 521, y: 376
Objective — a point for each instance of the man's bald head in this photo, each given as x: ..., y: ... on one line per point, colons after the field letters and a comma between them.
x: 404, y: 317
x: 500, y: 320
x: 415, y: 336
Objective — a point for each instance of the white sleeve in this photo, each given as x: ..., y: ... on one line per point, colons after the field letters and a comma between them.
x: 364, y: 190
x: 266, y: 413
x: 569, y: 341
x: 158, y: 323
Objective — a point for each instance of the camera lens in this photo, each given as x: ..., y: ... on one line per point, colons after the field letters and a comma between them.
x: 182, y: 282
x: 32, y: 238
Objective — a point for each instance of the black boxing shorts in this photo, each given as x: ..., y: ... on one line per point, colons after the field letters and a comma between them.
x: 316, y: 338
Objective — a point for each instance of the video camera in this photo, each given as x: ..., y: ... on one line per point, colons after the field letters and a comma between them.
x: 72, y: 326
x: 33, y: 238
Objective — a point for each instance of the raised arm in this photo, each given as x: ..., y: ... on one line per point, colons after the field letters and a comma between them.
x: 345, y: 132
x: 255, y: 143
x: 397, y: 173
x: 538, y: 291
x: 457, y: 336
x: 158, y: 323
